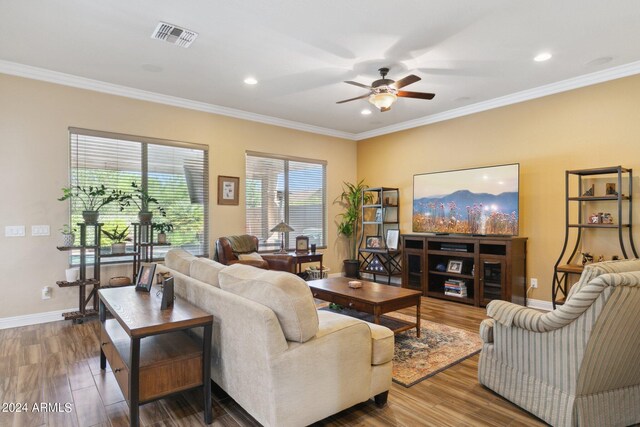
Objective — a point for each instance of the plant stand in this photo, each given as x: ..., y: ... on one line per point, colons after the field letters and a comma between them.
x: 143, y: 245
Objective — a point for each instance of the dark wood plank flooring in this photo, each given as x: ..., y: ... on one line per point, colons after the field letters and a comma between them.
x: 58, y: 362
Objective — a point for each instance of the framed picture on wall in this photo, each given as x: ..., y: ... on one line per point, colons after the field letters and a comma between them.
x: 228, y: 190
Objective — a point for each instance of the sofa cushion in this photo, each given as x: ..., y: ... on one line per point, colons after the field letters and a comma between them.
x: 286, y: 294
x: 179, y: 260
x: 206, y: 271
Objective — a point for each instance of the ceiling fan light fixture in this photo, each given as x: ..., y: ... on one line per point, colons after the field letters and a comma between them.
x: 383, y: 100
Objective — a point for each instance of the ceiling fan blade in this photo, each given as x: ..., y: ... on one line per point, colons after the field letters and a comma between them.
x: 411, y: 78
x: 358, y: 84
x: 353, y: 99
x: 419, y: 95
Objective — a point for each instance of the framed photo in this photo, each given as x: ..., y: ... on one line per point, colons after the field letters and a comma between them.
x: 379, y: 215
x: 454, y: 266
x: 167, y: 294
x: 374, y: 242
x: 392, y: 239
x: 228, y: 190
x: 302, y: 244
x: 144, y: 281
x: 610, y: 189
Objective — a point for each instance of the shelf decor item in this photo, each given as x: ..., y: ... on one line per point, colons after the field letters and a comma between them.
x: 393, y: 236
x: 302, y: 244
x: 167, y: 294
x: 118, y: 239
x: 374, y: 242
x: 454, y: 266
x: 68, y: 235
x: 610, y: 189
x: 228, y: 190
x: 92, y: 198
x: 140, y: 198
x: 163, y: 228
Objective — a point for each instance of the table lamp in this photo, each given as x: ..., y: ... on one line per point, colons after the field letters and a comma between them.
x: 282, y: 228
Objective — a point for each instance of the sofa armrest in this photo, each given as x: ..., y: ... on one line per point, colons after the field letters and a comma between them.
x: 486, y: 330
x: 280, y: 262
x: 510, y: 314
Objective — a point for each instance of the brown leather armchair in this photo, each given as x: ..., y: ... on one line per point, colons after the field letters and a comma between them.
x: 227, y: 256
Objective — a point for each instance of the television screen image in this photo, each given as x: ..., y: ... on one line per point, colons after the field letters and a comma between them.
x: 481, y: 201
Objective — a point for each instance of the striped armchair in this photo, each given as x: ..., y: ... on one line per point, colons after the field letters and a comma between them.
x: 578, y: 365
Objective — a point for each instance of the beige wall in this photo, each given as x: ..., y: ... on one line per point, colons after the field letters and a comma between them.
x: 589, y: 127
x: 34, y: 151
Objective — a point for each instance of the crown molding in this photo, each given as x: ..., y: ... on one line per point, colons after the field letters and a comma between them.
x: 514, y: 98
x: 36, y: 73
x: 50, y: 76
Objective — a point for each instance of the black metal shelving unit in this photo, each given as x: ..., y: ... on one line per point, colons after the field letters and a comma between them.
x: 566, y: 266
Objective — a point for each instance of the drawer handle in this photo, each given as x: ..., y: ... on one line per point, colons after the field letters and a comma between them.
x: 104, y: 343
x: 315, y: 294
x: 350, y: 304
x: 117, y: 370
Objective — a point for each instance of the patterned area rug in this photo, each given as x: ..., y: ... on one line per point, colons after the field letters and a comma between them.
x: 438, y: 348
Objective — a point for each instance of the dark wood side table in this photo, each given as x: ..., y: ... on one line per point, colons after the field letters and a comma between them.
x: 149, y: 352
x: 304, y: 257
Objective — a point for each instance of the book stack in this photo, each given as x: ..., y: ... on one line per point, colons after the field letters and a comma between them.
x: 455, y: 288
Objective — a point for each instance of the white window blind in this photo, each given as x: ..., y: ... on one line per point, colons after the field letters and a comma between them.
x: 285, y: 189
x: 175, y: 173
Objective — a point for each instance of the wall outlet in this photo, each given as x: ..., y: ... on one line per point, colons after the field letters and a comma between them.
x: 534, y: 282
x: 46, y: 292
x: 14, y: 231
x: 40, y: 230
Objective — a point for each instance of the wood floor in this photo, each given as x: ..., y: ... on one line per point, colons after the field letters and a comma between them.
x: 59, y: 363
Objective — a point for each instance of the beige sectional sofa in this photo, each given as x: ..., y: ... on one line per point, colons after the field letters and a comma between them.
x: 283, y: 361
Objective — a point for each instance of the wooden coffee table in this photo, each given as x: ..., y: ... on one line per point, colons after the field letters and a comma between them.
x: 372, y: 298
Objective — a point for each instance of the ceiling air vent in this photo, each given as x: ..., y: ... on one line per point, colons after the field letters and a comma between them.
x: 174, y: 35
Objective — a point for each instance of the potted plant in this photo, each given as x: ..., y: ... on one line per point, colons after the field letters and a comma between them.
x: 68, y: 235
x: 92, y: 198
x: 162, y: 228
x: 140, y: 198
x: 118, y: 239
x: 351, y: 200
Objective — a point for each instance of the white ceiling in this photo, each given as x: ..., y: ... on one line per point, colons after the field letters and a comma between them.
x: 467, y: 52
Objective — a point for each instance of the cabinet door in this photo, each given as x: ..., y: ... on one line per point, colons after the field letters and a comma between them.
x: 413, y: 269
x: 492, y: 279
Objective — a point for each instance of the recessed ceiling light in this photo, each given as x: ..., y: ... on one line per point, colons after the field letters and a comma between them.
x: 250, y: 81
x: 365, y: 112
x: 541, y: 57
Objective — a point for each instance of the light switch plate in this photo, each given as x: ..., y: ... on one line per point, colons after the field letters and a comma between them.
x: 14, y: 231
x: 40, y: 230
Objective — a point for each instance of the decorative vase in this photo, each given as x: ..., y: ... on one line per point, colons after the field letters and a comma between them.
x: 351, y: 267
x: 118, y: 248
x: 162, y: 238
x: 72, y: 274
x: 90, y: 217
x: 68, y: 239
x: 145, y: 217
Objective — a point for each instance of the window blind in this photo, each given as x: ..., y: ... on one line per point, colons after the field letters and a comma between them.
x: 288, y: 189
x: 175, y: 173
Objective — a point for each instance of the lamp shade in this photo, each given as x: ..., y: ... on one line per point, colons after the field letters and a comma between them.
x: 383, y: 99
x: 282, y: 227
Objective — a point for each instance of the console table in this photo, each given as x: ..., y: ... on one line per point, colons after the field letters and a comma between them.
x: 148, y: 349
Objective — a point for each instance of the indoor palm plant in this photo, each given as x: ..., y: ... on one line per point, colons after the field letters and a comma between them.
x: 140, y: 198
x: 118, y: 239
x: 92, y: 199
x: 351, y: 200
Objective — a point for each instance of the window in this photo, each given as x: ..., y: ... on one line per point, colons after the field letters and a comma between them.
x: 175, y: 173
x: 285, y: 189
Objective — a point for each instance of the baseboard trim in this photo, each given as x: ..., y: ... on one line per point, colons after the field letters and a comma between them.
x: 539, y: 304
x: 32, y: 319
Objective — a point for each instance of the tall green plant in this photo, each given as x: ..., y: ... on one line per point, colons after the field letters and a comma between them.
x: 351, y: 200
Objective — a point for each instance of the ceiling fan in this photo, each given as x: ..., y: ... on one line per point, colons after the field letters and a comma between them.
x: 384, y: 92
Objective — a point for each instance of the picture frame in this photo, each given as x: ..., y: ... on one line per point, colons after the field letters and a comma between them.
x: 393, y: 236
x: 302, y: 244
x: 228, y: 190
x: 378, y: 215
x: 374, y: 242
x: 144, y: 279
x: 610, y: 189
x: 167, y: 293
x: 454, y: 266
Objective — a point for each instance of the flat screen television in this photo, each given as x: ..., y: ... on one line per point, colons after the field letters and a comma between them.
x: 479, y: 201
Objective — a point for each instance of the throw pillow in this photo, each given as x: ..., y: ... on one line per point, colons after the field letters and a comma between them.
x: 253, y: 256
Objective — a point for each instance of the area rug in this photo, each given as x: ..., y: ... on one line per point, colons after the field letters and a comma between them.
x: 416, y: 359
